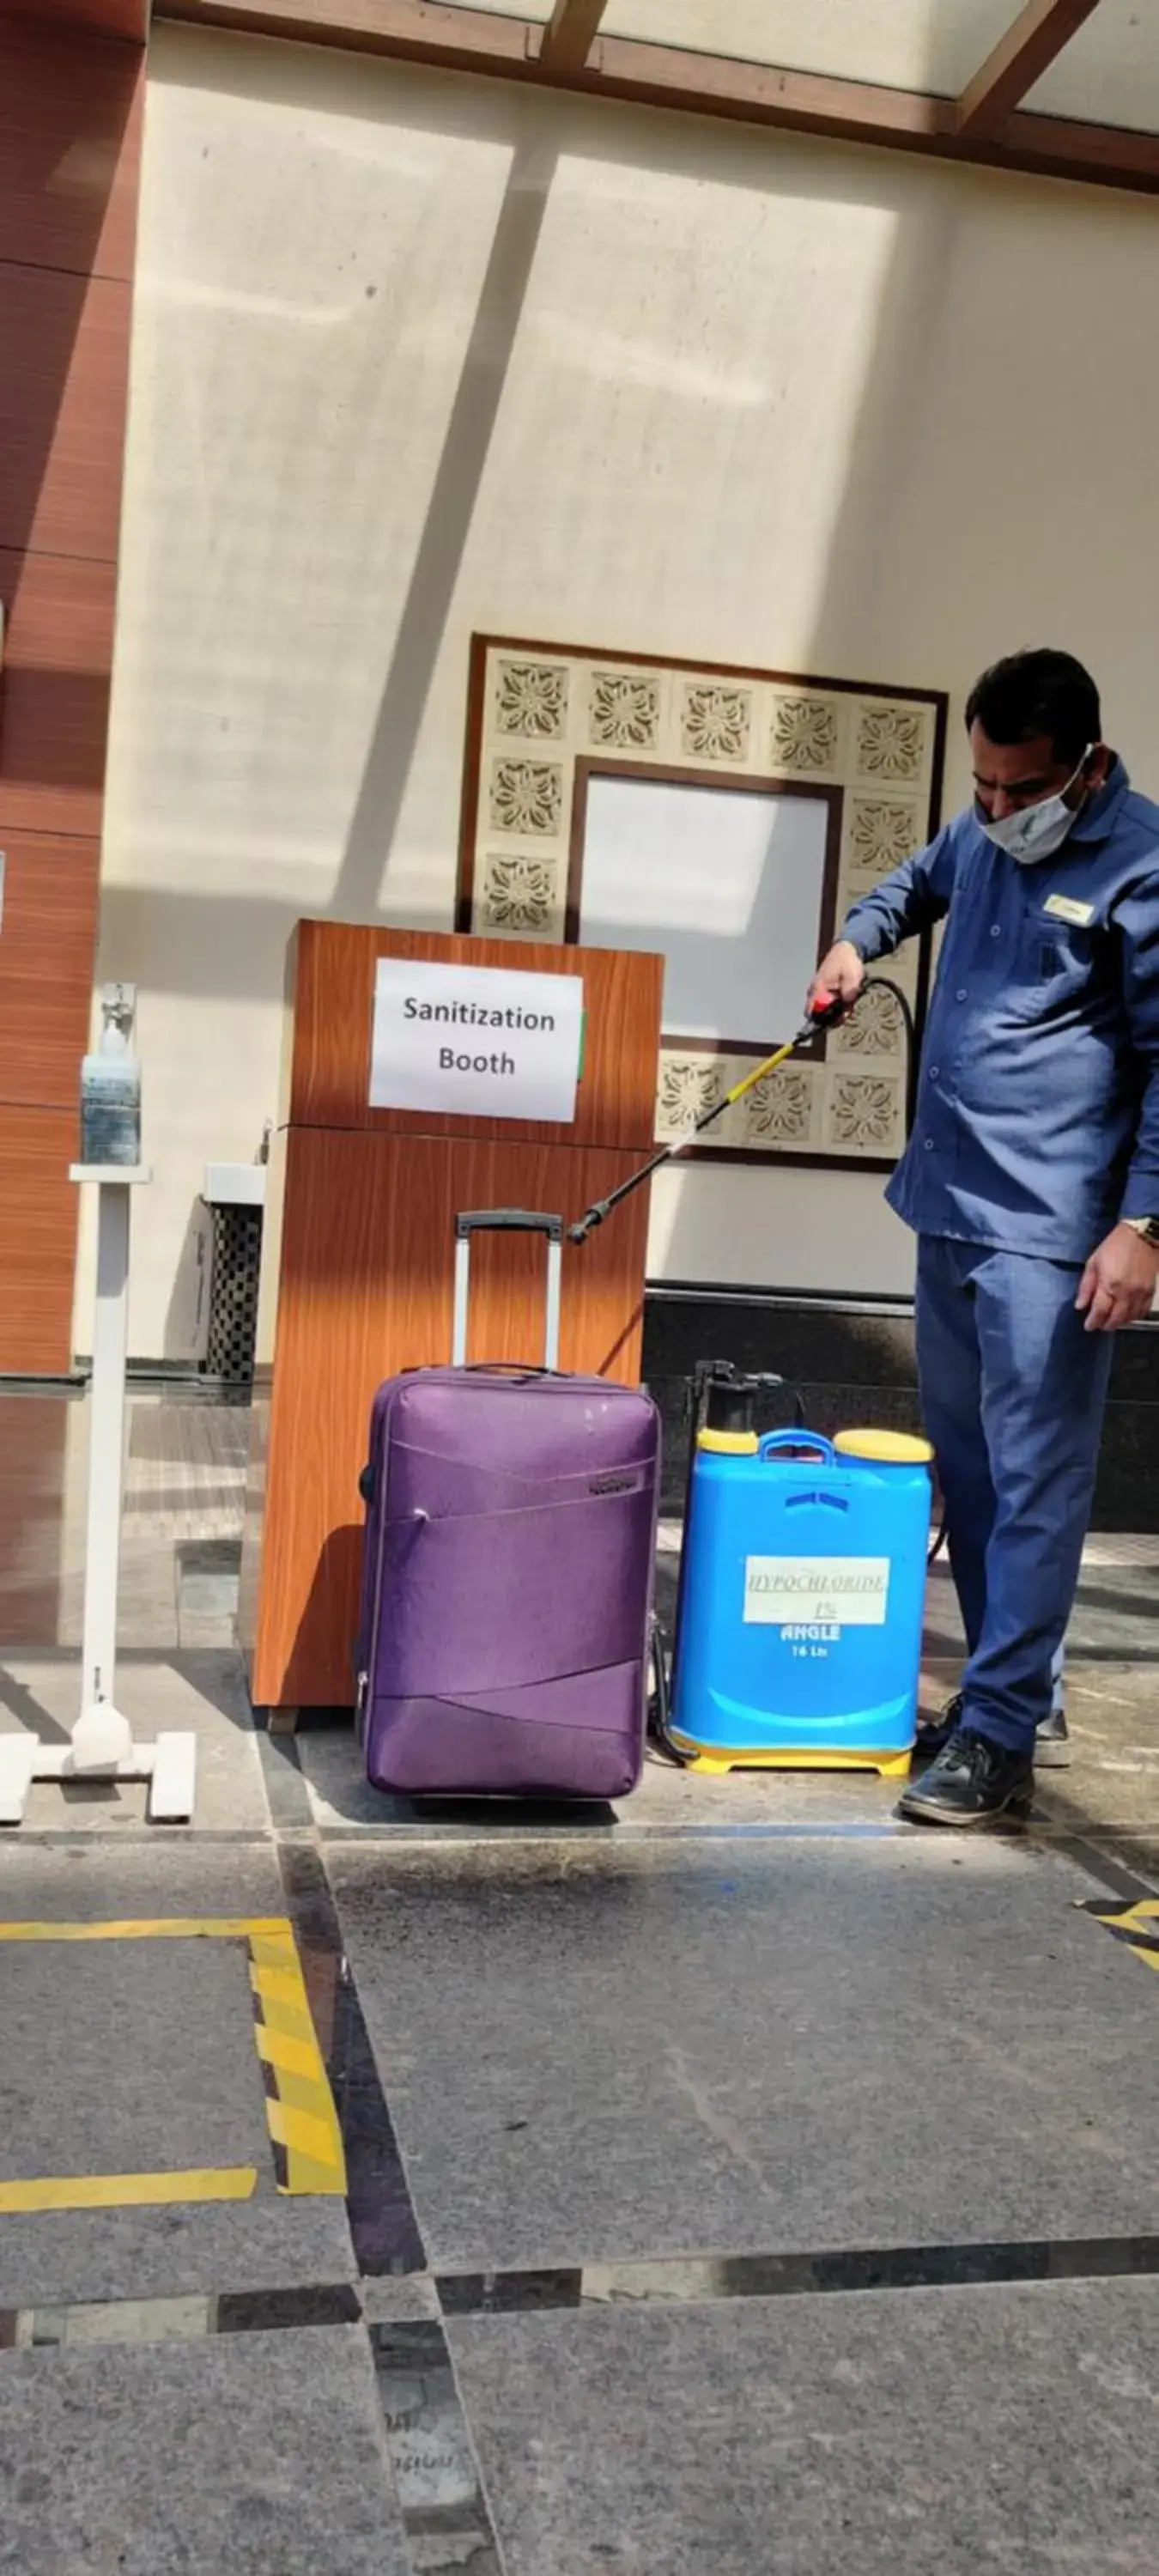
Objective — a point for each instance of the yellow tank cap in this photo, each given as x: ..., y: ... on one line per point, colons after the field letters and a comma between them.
x: 729, y: 1444
x: 888, y: 1448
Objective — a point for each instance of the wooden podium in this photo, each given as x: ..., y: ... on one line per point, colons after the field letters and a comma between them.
x: 358, y: 1257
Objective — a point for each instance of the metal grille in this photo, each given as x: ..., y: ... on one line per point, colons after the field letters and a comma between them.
x: 233, y: 1292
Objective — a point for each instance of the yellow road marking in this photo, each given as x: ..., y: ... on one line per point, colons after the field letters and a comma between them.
x: 276, y: 1985
x: 128, y: 2191
x: 167, y: 1928
x: 305, y: 2133
x: 286, y: 2054
x: 300, y: 2115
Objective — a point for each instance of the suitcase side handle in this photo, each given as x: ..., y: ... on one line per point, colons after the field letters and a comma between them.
x: 507, y: 1221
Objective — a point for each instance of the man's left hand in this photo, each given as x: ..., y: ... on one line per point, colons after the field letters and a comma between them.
x: 1118, y: 1283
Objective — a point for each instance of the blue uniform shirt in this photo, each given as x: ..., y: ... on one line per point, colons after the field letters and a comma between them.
x: 1038, y: 1104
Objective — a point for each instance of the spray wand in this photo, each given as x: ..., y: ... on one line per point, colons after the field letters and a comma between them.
x: 824, y: 1015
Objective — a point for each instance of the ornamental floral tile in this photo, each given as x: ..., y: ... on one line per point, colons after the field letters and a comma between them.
x: 863, y: 1114
x: 805, y: 734
x: 876, y: 1028
x: 526, y: 796
x: 624, y: 710
x: 715, y: 720
x: 531, y: 700
x: 778, y: 1111
x: 892, y: 740
x: 689, y: 1084
x: 519, y: 893
x: 880, y: 832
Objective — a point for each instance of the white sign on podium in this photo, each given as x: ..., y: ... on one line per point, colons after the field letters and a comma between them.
x: 476, y: 1041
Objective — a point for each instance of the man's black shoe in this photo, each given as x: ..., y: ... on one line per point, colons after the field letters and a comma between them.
x: 973, y: 1782
x: 1053, y: 1750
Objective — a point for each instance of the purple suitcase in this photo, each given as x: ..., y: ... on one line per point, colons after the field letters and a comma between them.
x: 507, y: 1577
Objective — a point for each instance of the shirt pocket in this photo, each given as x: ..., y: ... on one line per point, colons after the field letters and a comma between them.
x: 1054, y: 962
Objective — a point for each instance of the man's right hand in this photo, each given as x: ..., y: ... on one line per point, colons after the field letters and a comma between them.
x: 839, y: 978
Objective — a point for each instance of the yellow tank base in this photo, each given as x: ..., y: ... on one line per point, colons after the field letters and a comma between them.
x: 716, y: 1766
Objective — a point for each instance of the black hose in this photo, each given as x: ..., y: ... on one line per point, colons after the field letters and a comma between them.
x: 913, y: 1065
x: 887, y: 985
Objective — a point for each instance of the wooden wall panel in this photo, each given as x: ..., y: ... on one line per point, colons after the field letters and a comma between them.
x: 62, y: 410
x: 365, y: 1291
x: 126, y: 19
x: 46, y: 967
x: 332, y: 984
x: 54, y: 694
x: 69, y: 142
x: 36, y: 1238
x: 70, y: 128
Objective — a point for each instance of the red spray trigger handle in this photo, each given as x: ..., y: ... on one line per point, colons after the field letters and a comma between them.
x: 825, y: 1014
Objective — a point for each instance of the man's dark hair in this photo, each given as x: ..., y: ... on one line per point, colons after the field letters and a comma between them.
x: 1038, y: 693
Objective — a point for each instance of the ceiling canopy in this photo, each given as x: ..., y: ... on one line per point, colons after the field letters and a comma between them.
x: 1064, y: 87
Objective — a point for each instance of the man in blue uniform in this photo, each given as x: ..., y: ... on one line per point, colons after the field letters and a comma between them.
x: 1031, y: 1179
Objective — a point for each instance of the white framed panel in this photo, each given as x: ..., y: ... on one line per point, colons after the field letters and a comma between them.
x: 732, y: 884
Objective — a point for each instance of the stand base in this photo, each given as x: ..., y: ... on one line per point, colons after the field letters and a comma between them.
x: 169, y: 1765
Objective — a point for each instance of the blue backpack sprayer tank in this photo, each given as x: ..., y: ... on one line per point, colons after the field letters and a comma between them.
x: 802, y: 1589
x: 802, y: 1573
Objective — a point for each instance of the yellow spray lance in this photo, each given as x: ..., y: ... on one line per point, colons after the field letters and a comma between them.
x: 824, y: 1015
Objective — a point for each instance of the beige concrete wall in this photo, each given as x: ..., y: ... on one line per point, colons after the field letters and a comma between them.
x: 415, y: 356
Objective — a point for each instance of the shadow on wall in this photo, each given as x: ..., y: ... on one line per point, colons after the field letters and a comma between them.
x: 451, y: 509
x: 184, y: 926
x: 187, y: 1317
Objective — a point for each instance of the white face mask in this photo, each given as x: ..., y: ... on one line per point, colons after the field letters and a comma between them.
x: 1038, y: 830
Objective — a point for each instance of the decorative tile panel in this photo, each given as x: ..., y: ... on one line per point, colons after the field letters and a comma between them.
x: 779, y: 1110
x: 689, y: 1085
x: 542, y: 707
x: 880, y: 832
x: 864, y: 1114
x: 624, y: 710
x: 876, y: 1028
x: 892, y: 741
x: 519, y: 892
x: 526, y: 796
x: 804, y: 736
x: 716, y: 721
x: 531, y: 700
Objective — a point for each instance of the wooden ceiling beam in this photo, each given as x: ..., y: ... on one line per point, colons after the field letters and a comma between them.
x: 1018, y: 60
x: 574, y: 26
x: 481, y: 40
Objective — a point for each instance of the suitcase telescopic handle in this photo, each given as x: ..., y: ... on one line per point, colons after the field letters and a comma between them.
x: 507, y: 1221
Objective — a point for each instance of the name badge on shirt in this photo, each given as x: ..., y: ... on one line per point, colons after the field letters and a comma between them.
x: 1062, y: 907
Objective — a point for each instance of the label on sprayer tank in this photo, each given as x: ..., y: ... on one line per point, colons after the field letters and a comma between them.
x: 830, y: 1592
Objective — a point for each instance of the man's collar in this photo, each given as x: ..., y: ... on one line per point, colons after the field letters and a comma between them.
x: 1098, y: 818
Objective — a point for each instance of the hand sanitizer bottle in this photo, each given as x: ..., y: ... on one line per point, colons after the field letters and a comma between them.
x: 110, y: 1087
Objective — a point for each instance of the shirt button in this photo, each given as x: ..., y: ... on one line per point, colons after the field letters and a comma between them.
x: 929, y: 1144
x: 995, y: 930
x: 935, y: 1070
x: 960, y: 995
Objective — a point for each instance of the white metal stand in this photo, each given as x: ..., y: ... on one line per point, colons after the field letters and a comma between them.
x: 102, y: 1746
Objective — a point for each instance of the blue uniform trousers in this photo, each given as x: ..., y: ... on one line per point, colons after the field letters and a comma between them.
x: 1013, y: 1391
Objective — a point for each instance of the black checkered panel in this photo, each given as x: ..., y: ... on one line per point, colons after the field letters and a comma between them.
x: 233, y: 1292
